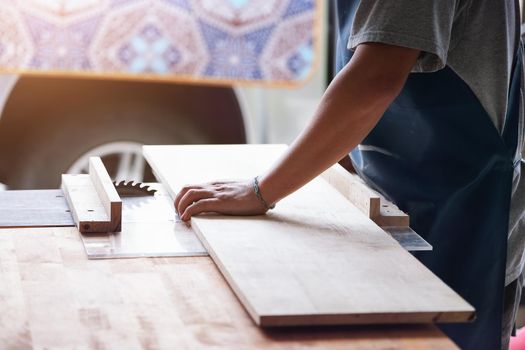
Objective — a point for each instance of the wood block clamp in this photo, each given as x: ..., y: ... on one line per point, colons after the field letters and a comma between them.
x: 370, y: 202
x: 93, y: 200
x: 379, y: 209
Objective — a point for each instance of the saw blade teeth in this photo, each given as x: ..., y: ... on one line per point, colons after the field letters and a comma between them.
x: 132, y: 188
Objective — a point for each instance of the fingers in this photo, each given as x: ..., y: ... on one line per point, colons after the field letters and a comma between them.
x: 201, y: 206
x: 216, y: 185
x: 191, y: 196
x: 181, y: 194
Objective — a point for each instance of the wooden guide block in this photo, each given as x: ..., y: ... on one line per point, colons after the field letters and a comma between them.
x: 313, y: 260
x: 94, y: 203
x: 354, y: 189
x: 106, y: 192
x: 370, y: 202
x: 391, y: 215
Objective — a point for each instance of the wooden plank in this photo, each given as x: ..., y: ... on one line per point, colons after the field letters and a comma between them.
x: 52, y: 297
x: 315, y: 259
x: 106, y: 192
x: 382, y: 211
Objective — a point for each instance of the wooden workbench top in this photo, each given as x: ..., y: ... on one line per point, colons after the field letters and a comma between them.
x: 51, y: 297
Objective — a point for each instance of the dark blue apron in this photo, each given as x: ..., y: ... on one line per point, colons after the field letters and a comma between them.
x: 438, y: 156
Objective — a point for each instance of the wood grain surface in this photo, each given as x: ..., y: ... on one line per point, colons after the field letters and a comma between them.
x: 315, y: 259
x: 52, y: 297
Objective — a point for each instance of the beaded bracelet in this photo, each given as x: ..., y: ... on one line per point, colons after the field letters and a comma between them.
x: 257, y: 191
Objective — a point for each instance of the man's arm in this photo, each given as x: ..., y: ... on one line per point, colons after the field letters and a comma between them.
x: 350, y: 108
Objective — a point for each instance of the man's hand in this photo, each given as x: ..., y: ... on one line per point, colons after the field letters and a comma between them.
x: 230, y: 197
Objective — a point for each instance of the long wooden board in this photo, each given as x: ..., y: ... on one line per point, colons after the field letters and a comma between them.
x: 315, y: 259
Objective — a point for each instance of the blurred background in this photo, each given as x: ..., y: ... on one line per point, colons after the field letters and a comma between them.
x: 103, y: 77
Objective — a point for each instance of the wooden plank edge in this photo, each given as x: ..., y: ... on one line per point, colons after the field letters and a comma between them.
x: 106, y: 192
x: 161, y: 179
x: 65, y: 190
x: 367, y: 319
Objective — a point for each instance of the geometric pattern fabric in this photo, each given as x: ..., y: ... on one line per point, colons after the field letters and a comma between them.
x: 270, y: 41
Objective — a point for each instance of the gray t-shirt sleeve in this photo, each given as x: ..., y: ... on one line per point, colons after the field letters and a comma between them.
x: 425, y: 25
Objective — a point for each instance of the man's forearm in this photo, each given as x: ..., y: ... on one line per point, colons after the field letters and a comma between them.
x: 349, y: 110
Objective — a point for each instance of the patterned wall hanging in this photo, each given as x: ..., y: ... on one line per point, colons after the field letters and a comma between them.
x: 214, y: 41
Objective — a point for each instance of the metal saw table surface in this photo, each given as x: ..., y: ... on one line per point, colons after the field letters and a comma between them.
x: 53, y: 297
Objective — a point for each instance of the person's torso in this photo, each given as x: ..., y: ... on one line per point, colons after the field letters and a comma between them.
x: 484, y: 39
